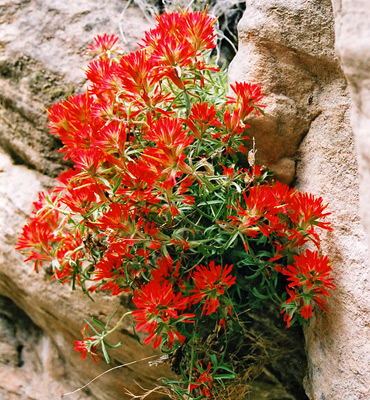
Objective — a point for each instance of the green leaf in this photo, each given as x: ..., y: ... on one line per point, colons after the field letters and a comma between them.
x: 113, y: 346
x: 135, y: 334
x: 259, y: 295
x: 231, y: 240
x: 254, y: 276
x: 117, y: 185
x: 110, y: 319
x: 106, y: 356
x: 106, y: 183
x: 92, y: 327
x: 206, y: 203
x: 248, y: 260
x: 187, y: 102
x: 97, y: 322
x: 214, y: 361
x: 226, y: 376
x: 227, y: 369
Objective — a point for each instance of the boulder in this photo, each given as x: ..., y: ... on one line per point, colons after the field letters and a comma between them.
x: 306, y: 138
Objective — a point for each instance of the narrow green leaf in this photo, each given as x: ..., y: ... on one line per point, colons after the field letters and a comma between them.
x: 259, y: 295
x: 106, y: 356
x: 97, y: 322
x: 113, y: 346
x: 226, y: 376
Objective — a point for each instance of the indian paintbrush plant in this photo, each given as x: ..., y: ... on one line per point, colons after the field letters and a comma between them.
x: 158, y: 205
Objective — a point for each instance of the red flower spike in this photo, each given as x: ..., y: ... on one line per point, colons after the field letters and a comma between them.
x: 210, y: 283
x: 247, y: 97
x: 159, y: 310
x: 73, y: 122
x: 308, y: 211
x: 166, y: 271
x: 105, y: 45
x: 111, y: 271
x: 170, y: 58
x: 136, y: 73
x: 170, y: 141
x: 86, y: 345
x: 262, y: 206
x: 309, y: 280
x: 43, y: 232
x: 201, y: 117
x: 199, y: 30
x: 102, y: 73
x: 205, y: 380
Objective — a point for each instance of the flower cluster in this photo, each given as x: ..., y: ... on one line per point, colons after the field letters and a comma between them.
x: 157, y: 203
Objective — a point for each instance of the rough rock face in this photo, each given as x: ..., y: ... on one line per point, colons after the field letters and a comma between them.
x: 288, y: 47
x: 352, y: 31
x: 42, y: 49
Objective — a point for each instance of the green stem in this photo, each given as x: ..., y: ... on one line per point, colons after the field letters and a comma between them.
x: 118, y: 323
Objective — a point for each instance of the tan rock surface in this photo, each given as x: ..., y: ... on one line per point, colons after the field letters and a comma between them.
x: 288, y: 47
x: 352, y: 29
x: 42, y: 52
x: 284, y: 46
x: 42, y: 49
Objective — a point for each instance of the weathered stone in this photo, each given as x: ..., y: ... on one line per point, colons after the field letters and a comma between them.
x: 352, y: 30
x: 283, y: 47
x: 31, y: 365
x: 288, y: 47
x: 42, y: 52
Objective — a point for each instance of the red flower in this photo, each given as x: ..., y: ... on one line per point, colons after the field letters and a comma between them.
x: 310, y: 271
x: 136, y: 73
x: 260, y: 212
x: 112, y: 270
x: 171, y: 141
x: 201, y: 117
x: 168, y: 272
x: 205, y: 380
x: 170, y: 57
x: 308, y: 210
x: 79, y: 193
x: 310, y: 280
x: 40, y: 235
x: 86, y: 346
x: 199, y: 30
x: 112, y: 142
x: 159, y: 310
x: 247, y: 97
x: 210, y: 284
x: 73, y: 122
x: 194, y: 28
x: 105, y: 45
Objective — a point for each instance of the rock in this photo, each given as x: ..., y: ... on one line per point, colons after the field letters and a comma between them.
x: 31, y: 366
x: 352, y: 30
x: 43, y: 47
x: 42, y: 52
x: 288, y: 47
x: 283, y: 47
